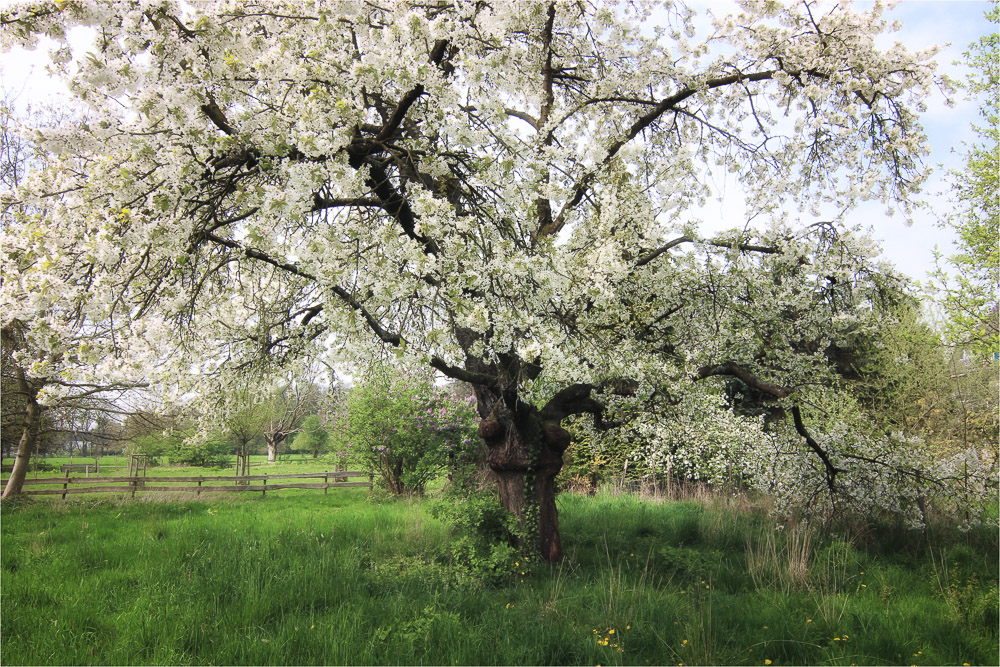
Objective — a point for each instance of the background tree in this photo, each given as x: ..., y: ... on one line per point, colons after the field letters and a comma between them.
x: 312, y: 437
x: 969, y: 294
x: 281, y: 414
x: 56, y: 356
x: 245, y: 427
x: 502, y: 191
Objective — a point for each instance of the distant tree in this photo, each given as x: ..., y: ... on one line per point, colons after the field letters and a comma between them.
x: 969, y: 280
x: 312, y: 437
x: 282, y: 412
x: 245, y: 427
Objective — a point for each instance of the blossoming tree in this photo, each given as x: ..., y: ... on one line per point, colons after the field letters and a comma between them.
x: 503, y: 190
x: 60, y: 363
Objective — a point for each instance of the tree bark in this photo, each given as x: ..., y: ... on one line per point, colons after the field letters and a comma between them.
x: 29, y: 436
x: 526, y: 455
x: 272, y: 450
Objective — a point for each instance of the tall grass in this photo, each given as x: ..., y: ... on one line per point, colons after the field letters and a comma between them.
x: 345, y: 579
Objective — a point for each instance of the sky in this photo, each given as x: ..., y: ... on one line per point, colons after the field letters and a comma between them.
x: 952, y: 24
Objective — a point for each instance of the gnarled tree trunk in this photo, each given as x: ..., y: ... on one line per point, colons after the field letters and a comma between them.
x: 526, y: 454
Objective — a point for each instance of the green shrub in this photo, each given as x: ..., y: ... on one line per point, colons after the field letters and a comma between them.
x: 403, y: 429
x: 485, y: 536
x: 208, y: 454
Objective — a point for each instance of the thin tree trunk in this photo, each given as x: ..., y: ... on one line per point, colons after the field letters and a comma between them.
x: 29, y: 438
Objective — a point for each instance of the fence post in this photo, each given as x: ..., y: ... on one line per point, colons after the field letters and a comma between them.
x: 65, y: 485
x: 326, y: 480
x: 263, y: 491
x: 198, y: 492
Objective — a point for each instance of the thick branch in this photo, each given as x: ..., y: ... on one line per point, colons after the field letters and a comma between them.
x: 737, y: 371
x: 649, y: 257
x: 526, y: 117
x: 718, y: 243
x: 543, y: 206
x: 463, y: 375
x: 573, y: 400
x: 320, y: 203
x: 215, y: 115
x: 260, y: 256
x: 831, y: 470
x: 383, y: 334
x: 399, y: 113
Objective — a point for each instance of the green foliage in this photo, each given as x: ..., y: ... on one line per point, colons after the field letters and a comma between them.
x: 313, y: 437
x: 592, y: 459
x: 211, y: 453
x: 895, y: 373
x: 175, y: 446
x: 968, y: 285
x: 484, y: 536
x: 403, y: 429
x: 909, y: 381
x: 154, y: 445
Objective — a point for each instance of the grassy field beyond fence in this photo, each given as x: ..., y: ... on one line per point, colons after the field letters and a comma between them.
x: 345, y: 579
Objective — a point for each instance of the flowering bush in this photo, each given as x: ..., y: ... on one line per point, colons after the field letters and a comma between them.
x: 402, y: 428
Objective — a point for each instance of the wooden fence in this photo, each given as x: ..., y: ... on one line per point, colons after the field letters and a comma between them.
x: 73, y: 485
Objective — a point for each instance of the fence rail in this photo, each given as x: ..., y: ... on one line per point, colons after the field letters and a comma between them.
x: 204, y: 483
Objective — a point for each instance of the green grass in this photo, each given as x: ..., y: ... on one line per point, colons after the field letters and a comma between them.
x: 341, y: 579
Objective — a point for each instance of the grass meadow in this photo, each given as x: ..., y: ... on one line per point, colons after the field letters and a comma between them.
x: 300, y: 577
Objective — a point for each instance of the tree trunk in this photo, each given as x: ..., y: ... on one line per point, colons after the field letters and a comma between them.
x: 29, y: 436
x: 272, y: 450
x: 526, y: 455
